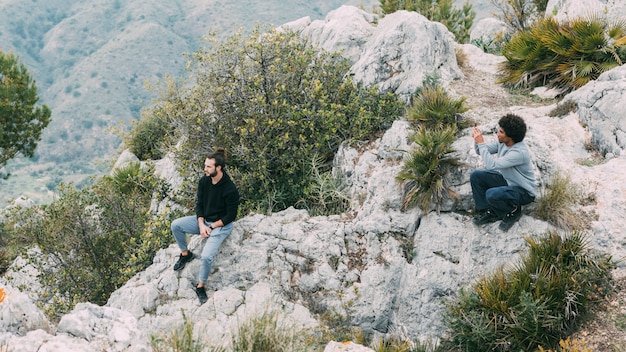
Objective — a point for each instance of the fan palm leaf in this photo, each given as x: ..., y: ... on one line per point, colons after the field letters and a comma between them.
x: 425, y: 172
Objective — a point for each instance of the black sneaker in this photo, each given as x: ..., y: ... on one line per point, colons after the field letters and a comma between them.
x: 510, y: 219
x: 201, y: 292
x: 182, y: 260
x: 486, y: 218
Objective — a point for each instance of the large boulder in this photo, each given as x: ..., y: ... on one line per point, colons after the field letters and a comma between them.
x: 19, y: 314
x: 600, y: 105
x: 396, y: 52
x: 487, y: 29
x: 571, y: 9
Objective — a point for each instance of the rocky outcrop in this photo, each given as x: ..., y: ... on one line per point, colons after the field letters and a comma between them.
x: 487, y: 29
x: 571, y: 9
x: 389, y: 271
x: 396, y: 52
x: 600, y: 106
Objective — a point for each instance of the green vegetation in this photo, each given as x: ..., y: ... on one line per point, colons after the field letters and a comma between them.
x: 459, y: 22
x: 433, y: 108
x: 535, y: 303
x: 147, y: 137
x: 492, y: 46
x: 564, y: 56
x: 519, y: 15
x: 268, y: 332
x: 181, y: 340
x: 93, y: 239
x: 559, y: 204
x: 21, y: 120
x: 437, y: 118
x: 563, y: 108
x: 272, y: 101
x: 425, y: 172
x: 326, y: 194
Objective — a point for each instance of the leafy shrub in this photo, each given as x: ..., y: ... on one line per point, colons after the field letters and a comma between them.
x: 459, y: 22
x: 424, y: 174
x: 434, y: 108
x: 272, y: 101
x: 495, y: 45
x: 564, y: 55
x: 326, y: 194
x: 92, y: 240
x: 563, y: 108
x: 534, y: 303
x: 147, y: 136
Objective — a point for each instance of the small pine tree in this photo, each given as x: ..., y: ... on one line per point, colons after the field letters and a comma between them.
x: 22, y: 121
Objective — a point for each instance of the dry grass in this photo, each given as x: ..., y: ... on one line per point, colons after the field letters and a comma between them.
x: 560, y: 204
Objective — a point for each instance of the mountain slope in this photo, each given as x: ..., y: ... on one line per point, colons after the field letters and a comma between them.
x: 90, y: 60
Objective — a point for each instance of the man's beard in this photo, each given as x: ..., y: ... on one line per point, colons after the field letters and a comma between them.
x: 213, y: 174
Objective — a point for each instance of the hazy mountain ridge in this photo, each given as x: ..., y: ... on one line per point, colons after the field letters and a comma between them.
x: 90, y: 60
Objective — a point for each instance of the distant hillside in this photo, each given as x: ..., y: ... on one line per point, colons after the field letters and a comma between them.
x: 90, y: 59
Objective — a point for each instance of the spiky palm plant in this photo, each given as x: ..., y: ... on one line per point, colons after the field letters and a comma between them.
x: 536, y: 302
x: 433, y: 107
x: 425, y: 172
x: 565, y: 55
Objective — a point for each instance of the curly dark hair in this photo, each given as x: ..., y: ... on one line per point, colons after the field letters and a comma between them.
x: 514, y: 127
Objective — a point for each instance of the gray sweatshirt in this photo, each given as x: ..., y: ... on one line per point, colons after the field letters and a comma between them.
x: 512, y: 162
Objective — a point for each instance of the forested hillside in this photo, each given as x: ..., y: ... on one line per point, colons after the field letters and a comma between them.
x: 90, y: 60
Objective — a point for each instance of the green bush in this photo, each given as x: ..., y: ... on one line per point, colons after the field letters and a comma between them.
x: 564, y: 56
x: 326, y: 194
x: 425, y: 171
x: 272, y: 101
x: 434, y: 108
x: 534, y: 303
x: 459, y: 22
x: 93, y: 239
x: 147, y: 137
x: 563, y: 108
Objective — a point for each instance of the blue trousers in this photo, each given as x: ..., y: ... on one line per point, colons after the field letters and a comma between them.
x: 189, y: 225
x: 491, y: 191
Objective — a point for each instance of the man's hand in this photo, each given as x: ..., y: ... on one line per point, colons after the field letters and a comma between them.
x: 205, y: 231
x: 477, y: 135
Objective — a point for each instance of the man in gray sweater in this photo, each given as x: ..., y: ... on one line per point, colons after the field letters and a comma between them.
x: 508, y: 180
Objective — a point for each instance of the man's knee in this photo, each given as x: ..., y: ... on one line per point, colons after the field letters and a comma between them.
x: 493, y: 194
x: 476, y: 175
x: 175, y: 224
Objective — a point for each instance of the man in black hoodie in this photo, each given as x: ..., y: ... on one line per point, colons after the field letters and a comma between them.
x: 217, y: 203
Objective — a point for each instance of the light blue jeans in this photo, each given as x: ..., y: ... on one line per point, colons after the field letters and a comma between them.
x: 189, y: 225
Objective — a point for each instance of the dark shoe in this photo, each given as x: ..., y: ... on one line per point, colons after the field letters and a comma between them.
x: 486, y: 218
x: 182, y: 260
x: 201, y: 292
x: 511, y: 218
